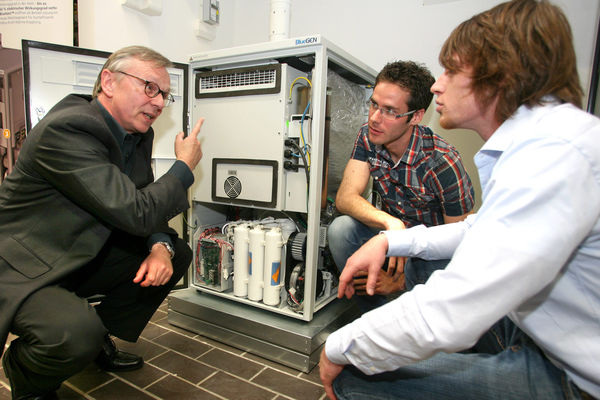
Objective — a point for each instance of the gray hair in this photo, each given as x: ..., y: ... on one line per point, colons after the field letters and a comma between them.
x: 120, y: 59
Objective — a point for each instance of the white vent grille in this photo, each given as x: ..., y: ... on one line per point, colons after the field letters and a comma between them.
x: 247, y: 80
x: 86, y: 73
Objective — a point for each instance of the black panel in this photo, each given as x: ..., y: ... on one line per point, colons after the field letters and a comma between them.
x: 244, y: 161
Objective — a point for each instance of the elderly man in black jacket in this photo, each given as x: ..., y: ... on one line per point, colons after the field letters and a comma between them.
x: 81, y: 215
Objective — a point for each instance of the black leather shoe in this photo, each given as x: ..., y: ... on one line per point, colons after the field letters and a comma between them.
x: 111, y: 359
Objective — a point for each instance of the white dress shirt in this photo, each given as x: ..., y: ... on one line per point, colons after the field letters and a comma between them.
x: 532, y: 252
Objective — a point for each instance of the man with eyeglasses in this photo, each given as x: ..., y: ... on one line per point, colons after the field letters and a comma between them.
x: 80, y: 216
x: 418, y: 177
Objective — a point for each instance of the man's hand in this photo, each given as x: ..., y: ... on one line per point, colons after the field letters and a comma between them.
x: 391, y: 281
x: 369, y: 258
x: 188, y: 149
x: 328, y: 372
x: 393, y: 224
x: 157, y: 269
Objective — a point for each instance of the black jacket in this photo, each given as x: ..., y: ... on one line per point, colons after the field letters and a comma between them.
x: 65, y: 196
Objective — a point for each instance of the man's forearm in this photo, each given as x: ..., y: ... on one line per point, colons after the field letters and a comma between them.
x: 360, y: 209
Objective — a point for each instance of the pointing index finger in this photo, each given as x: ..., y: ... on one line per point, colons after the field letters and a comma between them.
x: 197, y: 127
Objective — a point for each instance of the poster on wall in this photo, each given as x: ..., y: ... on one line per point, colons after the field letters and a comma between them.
x: 42, y: 20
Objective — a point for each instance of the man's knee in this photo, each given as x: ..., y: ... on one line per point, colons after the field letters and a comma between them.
x: 62, y: 325
x: 339, y: 229
x: 84, y: 334
x: 345, y: 235
x: 345, y: 231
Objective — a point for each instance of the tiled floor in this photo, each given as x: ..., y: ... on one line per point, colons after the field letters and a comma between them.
x: 182, y: 365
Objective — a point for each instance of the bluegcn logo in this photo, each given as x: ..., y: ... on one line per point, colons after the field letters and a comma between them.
x: 308, y: 40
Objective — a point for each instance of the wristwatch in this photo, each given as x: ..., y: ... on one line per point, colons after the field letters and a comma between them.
x: 168, y: 247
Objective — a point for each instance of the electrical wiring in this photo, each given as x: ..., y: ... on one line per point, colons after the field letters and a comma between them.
x: 210, y: 238
x: 305, y: 144
x: 185, y: 221
x: 296, y: 81
x: 306, y: 167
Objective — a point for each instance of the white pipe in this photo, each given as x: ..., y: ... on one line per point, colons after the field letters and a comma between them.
x: 280, y: 19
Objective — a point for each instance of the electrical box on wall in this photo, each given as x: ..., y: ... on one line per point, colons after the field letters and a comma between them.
x: 210, y: 11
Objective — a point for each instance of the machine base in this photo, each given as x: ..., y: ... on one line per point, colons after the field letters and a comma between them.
x: 294, y: 343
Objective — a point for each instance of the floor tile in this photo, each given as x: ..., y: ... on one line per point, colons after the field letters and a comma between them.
x: 235, y: 365
x: 158, y: 315
x: 272, y: 364
x: 119, y: 390
x: 172, y: 387
x: 90, y: 378
x: 233, y: 388
x: 182, y: 344
x: 144, y: 376
x: 185, y: 367
x: 165, y: 324
x: 152, y: 331
x: 289, y: 385
x: 66, y: 393
x: 144, y: 348
x: 312, y: 376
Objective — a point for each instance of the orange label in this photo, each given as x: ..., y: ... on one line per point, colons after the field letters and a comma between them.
x: 6, y: 133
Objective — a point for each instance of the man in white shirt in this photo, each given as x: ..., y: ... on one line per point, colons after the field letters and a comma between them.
x: 532, y: 252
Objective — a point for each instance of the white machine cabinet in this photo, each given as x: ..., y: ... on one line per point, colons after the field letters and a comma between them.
x: 266, y: 114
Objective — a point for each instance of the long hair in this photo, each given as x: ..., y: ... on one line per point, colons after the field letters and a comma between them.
x: 120, y: 59
x: 519, y: 51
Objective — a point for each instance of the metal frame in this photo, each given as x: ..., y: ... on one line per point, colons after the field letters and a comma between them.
x: 325, y: 54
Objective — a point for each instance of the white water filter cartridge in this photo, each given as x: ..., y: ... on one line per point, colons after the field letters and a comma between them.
x: 256, y: 260
x: 240, y: 261
x: 272, y: 278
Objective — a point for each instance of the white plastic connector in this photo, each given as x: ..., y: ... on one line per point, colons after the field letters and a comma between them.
x: 148, y: 7
x: 204, y: 30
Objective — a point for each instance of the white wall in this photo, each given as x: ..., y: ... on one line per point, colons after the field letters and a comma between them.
x: 375, y: 32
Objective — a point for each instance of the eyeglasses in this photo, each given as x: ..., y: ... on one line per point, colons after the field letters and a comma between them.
x: 386, y: 112
x: 152, y: 90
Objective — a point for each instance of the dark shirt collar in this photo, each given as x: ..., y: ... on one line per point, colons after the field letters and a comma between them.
x: 117, y: 130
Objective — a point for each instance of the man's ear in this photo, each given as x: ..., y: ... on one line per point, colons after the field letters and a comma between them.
x: 108, y: 81
x: 417, y: 117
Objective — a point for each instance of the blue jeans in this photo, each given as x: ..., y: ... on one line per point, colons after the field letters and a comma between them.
x: 518, y: 372
x: 346, y: 235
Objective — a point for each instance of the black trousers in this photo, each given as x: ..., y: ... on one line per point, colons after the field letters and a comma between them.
x: 59, y: 333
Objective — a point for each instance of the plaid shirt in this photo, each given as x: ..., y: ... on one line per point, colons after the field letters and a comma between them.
x: 426, y: 183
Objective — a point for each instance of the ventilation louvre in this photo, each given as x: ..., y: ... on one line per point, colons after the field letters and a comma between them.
x: 262, y: 79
